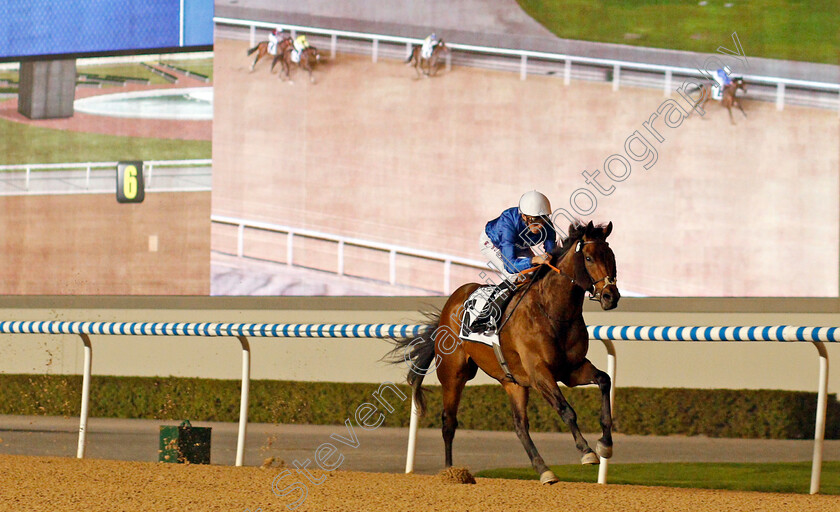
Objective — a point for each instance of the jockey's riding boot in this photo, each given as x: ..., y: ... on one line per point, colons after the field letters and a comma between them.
x: 491, y: 313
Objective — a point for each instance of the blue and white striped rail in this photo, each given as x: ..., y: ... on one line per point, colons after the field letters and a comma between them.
x: 240, y: 331
x: 727, y: 333
x: 213, y: 329
x: 607, y: 334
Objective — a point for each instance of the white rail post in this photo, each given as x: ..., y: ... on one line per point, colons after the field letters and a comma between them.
x: 253, y: 34
x: 243, y: 401
x: 392, y: 267
x: 523, y: 67
x: 448, y: 60
x: 412, y: 436
x: 341, y: 257
x: 240, y: 240
x: 447, y: 271
x: 83, y: 415
x: 408, y: 49
x: 780, y: 96
x: 151, y: 171
x: 333, y: 45
x: 819, y: 428
x: 602, y: 469
x: 87, y: 178
x: 668, y: 78
x: 28, y: 171
x: 567, y: 72
x: 290, y: 240
x: 375, y: 50
x: 616, y: 77
x: 293, y: 33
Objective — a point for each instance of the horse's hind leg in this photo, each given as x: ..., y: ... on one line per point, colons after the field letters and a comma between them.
x: 518, y: 396
x: 588, y: 374
x: 547, y: 386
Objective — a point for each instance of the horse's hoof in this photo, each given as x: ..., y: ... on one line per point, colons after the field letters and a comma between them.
x: 603, y: 450
x: 548, y: 477
x: 590, y: 458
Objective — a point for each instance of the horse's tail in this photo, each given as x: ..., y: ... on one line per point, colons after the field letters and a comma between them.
x: 411, y: 55
x: 418, y: 354
x: 252, y: 50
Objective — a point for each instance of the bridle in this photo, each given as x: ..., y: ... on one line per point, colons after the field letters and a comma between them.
x: 594, y: 293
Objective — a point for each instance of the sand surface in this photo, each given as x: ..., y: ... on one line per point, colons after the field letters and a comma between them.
x: 66, y: 484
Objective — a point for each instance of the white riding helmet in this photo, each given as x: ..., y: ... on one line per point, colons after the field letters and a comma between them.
x: 534, y: 204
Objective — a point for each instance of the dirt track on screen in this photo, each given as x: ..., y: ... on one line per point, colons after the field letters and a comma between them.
x: 65, y: 484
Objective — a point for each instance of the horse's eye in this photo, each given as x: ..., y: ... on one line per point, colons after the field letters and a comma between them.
x: 589, y: 259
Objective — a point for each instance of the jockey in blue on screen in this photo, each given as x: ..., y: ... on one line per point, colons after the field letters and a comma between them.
x: 722, y: 79
x: 508, y: 244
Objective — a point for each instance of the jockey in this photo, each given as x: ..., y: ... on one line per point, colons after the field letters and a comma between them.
x: 508, y: 243
x: 273, y: 38
x: 301, y: 43
x: 428, y: 45
x: 722, y: 79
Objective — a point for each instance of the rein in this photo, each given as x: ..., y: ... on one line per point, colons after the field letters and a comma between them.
x: 593, y: 293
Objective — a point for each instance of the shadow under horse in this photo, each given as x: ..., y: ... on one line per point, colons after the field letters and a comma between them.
x: 728, y: 100
x: 543, y: 339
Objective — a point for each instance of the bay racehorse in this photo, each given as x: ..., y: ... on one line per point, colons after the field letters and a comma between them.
x: 428, y: 66
x: 306, y: 61
x: 728, y: 100
x: 262, y: 50
x: 543, y: 340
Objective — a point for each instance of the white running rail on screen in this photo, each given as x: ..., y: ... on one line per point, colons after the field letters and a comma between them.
x: 607, y: 334
x: 524, y: 55
x: 11, y: 172
x: 342, y: 241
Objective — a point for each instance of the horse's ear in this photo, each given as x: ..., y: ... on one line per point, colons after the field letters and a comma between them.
x: 590, y: 227
x: 607, y: 230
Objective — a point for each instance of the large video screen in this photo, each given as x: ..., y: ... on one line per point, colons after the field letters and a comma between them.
x: 377, y: 177
x: 366, y: 173
x: 39, y: 28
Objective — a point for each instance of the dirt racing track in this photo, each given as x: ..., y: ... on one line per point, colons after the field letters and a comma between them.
x: 70, y: 485
x: 370, y: 152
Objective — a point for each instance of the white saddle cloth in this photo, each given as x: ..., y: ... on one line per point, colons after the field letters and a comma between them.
x: 295, y: 56
x: 272, y: 48
x: 480, y: 296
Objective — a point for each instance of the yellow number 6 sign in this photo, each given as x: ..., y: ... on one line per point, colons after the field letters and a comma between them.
x: 130, y: 182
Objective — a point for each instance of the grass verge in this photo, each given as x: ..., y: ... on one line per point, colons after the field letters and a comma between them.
x: 791, y: 477
x: 775, y: 29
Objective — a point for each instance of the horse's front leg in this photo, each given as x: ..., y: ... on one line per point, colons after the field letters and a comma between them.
x: 518, y: 396
x: 544, y: 382
x: 731, y: 117
x: 588, y: 374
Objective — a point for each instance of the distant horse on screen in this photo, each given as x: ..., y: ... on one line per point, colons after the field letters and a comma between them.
x: 306, y: 61
x: 729, y: 99
x: 543, y: 340
x: 262, y: 50
x: 428, y: 66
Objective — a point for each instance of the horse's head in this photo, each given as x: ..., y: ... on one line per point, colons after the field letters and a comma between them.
x: 594, y: 263
x: 740, y: 84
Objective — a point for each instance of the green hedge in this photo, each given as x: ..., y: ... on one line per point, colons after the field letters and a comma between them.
x: 648, y: 411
